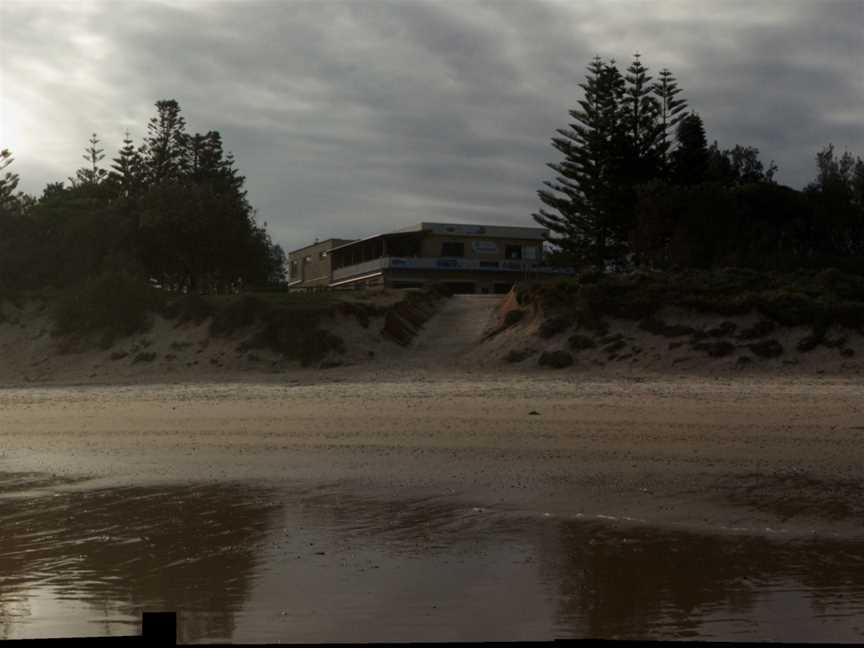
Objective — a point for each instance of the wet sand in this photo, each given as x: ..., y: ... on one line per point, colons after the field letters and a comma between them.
x: 379, y: 507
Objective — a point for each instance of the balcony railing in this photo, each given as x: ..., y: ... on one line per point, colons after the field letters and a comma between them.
x: 443, y: 263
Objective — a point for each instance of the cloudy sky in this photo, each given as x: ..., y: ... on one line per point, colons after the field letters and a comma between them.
x: 352, y: 117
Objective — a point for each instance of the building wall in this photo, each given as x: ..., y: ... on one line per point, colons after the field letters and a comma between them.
x: 468, y: 281
x: 311, y: 265
x: 477, y: 247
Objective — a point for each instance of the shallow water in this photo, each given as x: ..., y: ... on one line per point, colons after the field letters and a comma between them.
x: 266, y: 561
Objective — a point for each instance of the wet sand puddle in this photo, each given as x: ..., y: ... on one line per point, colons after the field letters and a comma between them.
x: 261, y: 562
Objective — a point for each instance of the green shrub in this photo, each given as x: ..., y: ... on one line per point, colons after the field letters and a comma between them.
x: 513, y: 317
x: 110, y: 305
x: 659, y: 327
x: 718, y: 349
x: 518, y: 355
x: 555, y: 359
x: 759, y: 329
x: 552, y: 326
x: 803, y: 298
x: 579, y: 342
x: 766, y: 348
x: 808, y: 343
x: 239, y: 313
x: 189, y: 308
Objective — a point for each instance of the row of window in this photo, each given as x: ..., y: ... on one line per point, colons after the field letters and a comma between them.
x: 457, y: 249
x: 453, y: 249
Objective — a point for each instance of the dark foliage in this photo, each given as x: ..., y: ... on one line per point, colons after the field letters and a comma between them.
x: 715, y: 349
x: 758, y: 330
x: 518, y: 355
x: 766, y: 348
x: 625, y: 195
x: 818, y: 299
x: 555, y: 359
x: 172, y: 212
x: 579, y: 342
x: 552, y: 326
x: 110, y: 305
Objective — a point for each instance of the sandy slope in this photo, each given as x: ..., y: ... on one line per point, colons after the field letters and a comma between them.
x: 453, y: 340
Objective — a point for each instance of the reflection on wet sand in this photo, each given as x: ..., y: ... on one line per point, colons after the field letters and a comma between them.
x: 88, y: 562
x: 639, y: 581
x: 247, y: 562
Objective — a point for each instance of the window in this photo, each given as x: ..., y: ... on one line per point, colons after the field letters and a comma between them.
x: 322, y: 255
x: 453, y: 249
x: 513, y: 252
x: 307, y: 259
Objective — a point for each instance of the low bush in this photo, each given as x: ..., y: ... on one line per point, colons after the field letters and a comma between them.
x: 724, y: 329
x: 111, y: 306
x: 555, y: 359
x: 513, y: 317
x: 189, y: 308
x: 518, y: 355
x: 552, y: 326
x: 808, y: 343
x: 579, y: 342
x: 804, y: 298
x: 758, y: 330
x: 766, y: 348
x: 659, y: 327
x: 718, y: 349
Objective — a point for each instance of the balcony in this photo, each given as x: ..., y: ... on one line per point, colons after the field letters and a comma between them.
x: 442, y: 263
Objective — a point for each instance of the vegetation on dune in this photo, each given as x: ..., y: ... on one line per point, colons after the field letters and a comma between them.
x: 815, y: 299
x: 111, y: 306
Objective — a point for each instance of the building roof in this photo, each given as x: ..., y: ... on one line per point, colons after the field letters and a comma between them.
x: 337, y: 242
x: 461, y: 229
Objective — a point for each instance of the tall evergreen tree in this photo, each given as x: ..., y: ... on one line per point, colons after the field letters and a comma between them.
x: 671, y: 112
x: 165, y: 146
x: 9, y: 181
x: 127, y: 170
x: 690, y: 158
x: 641, y: 110
x: 577, y: 210
x: 93, y: 174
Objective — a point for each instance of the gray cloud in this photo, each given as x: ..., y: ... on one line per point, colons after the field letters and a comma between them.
x: 352, y: 117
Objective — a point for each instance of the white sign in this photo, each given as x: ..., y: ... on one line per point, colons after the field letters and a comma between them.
x: 485, y: 247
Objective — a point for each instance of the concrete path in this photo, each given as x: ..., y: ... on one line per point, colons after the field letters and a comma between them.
x: 456, y: 329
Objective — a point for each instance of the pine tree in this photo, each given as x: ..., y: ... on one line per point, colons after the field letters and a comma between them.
x: 165, y: 146
x: 93, y: 174
x: 576, y: 202
x: 671, y: 112
x: 127, y: 170
x: 690, y: 158
x: 641, y: 110
x: 9, y: 181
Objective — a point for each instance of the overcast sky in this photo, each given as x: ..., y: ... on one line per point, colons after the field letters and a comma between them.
x: 352, y: 117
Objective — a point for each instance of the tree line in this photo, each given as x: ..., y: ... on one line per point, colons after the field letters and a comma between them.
x: 639, y: 186
x: 172, y: 210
